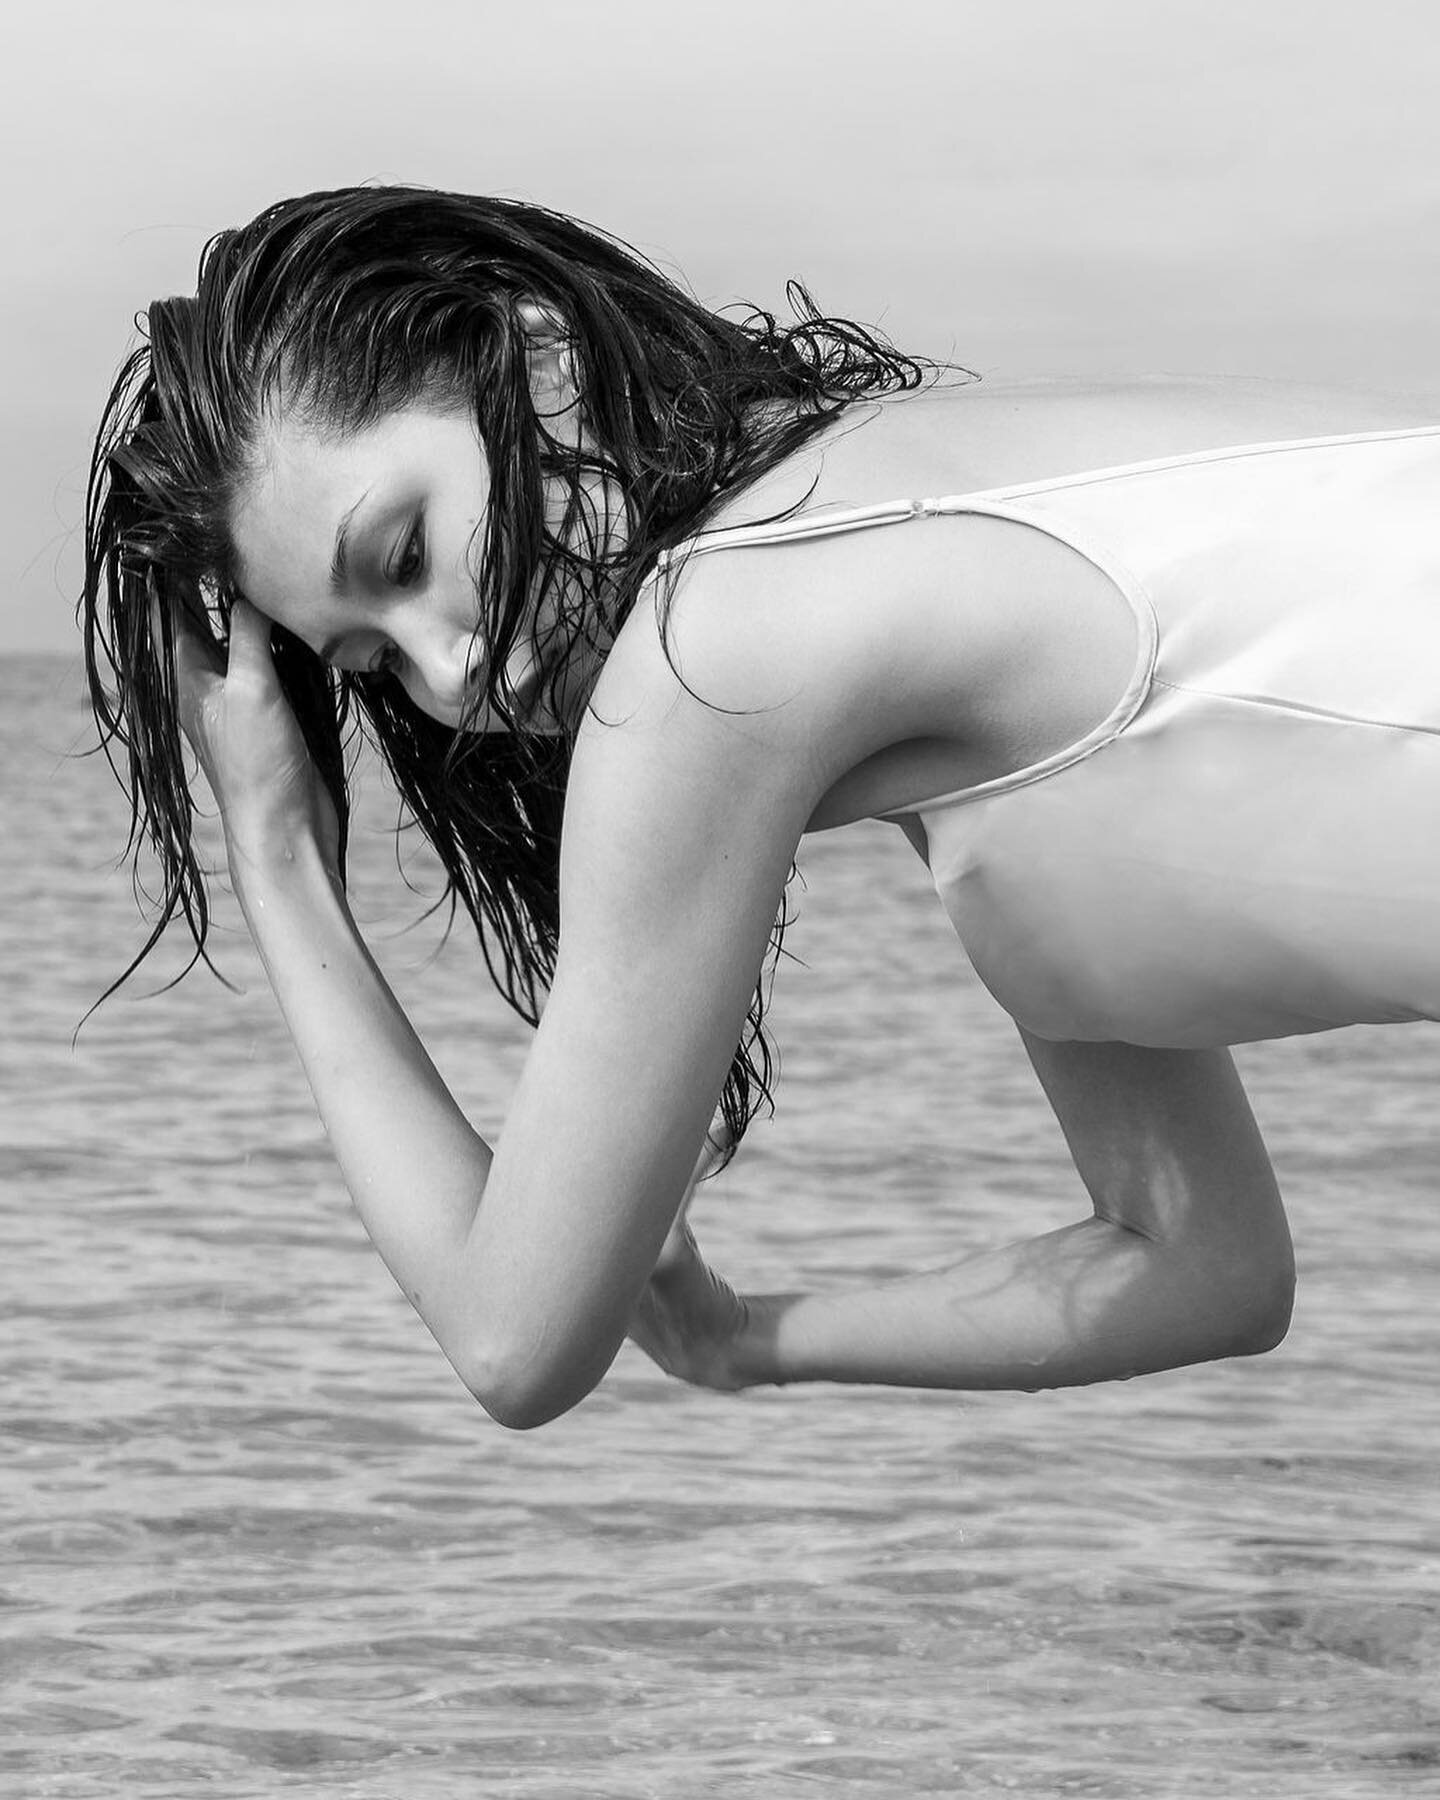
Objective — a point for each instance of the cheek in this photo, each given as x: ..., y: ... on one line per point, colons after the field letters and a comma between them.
x: 277, y: 580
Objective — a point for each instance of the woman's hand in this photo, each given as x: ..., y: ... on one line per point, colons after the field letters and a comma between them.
x: 237, y: 720
x: 690, y: 1321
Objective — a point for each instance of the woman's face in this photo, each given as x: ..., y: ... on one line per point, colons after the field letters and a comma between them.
x: 364, y: 546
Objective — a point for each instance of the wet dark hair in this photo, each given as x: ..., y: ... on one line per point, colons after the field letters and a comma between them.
x: 349, y: 305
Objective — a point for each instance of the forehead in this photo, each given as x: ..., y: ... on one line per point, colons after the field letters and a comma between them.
x: 305, y: 479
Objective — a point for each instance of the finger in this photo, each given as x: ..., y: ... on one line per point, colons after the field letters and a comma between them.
x: 720, y: 1138
x: 249, y: 633
x: 678, y: 1251
x: 252, y: 657
x: 652, y: 1327
x: 196, y: 651
x: 718, y: 1141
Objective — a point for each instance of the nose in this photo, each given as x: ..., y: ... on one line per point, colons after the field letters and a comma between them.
x: 450, y: 663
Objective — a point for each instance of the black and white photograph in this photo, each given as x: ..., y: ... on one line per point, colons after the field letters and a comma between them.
x: 721, y: 931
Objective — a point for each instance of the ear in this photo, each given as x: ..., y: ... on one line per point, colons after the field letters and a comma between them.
x: 551, y: 358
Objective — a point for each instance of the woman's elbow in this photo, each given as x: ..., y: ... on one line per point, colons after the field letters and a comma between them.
x: 519, y: 1390
x: 1269, y: 1322
x: 1259, y: 1309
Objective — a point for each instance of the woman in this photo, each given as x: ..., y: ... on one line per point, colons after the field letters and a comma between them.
x: 1162, y: 735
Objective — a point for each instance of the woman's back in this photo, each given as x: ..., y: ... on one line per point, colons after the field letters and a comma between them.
x: 1017, y: 645
x: 999, y: 433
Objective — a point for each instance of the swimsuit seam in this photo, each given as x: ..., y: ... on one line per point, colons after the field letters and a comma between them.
x: 1321, y: 714
x: 1121, y: 715
x: 1008, y: 503
x: 1099, y: 556
x: 802, y: 525
x: 1198, y: 458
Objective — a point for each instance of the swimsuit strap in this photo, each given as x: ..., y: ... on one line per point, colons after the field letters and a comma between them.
x: 811, y: 525
x: 994, y: 501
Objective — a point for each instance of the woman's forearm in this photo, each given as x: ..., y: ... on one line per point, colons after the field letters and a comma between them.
x: 1091, y: 1302
x: 1187, y: 1257
x: 414, y: 1166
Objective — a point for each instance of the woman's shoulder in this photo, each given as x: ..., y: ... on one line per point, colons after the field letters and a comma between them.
x: 1100, y: 423
x: 966, y: 437
x: 823, y: 653
x: 1010, y: 431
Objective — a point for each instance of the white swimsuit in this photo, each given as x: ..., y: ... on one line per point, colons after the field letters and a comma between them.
x: 1249, y: 845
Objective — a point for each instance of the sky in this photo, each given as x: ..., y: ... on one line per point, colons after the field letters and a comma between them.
x: 1028, y: 186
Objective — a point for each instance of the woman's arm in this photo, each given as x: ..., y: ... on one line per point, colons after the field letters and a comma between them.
x: 687, y: 798
x: 412, y: 1162
x: 681, y: 823
x: 1186, y: 1258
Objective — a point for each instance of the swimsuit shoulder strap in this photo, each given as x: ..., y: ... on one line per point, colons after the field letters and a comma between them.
x: 825, y: 523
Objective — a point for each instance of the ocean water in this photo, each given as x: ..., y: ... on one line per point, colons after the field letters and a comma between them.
x: 255, y: 1539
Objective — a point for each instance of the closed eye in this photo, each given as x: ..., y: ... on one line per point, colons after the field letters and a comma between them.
x: 408, y: 564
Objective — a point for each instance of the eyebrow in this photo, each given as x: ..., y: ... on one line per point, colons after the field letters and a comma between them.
x: 339, y: 560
